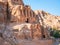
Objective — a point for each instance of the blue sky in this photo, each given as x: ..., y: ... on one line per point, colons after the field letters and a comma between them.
x: 51, y: 6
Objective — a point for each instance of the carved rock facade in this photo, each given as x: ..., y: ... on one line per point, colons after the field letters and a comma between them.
x: 21, y: 20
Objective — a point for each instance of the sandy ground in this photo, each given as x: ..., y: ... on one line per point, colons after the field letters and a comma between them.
x: 30, y: 42
x: 36, y: 42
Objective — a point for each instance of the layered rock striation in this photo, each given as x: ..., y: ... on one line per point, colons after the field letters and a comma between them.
x: 49, y: 20
x: 20, y: 22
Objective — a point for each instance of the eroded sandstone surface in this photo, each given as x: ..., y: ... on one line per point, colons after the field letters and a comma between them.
x: 19, y: 22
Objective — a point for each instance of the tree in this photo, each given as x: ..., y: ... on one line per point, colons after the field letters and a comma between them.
x: 55, y: 33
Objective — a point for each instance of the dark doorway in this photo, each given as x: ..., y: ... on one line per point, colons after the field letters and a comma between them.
x: 1, y: 35
x: 43, y: 36
x: 27, y: 21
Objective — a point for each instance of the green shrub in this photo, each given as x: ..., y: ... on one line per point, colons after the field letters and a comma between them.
x: 55, y: 33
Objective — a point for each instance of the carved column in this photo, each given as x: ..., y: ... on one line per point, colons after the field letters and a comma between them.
x: 21, y: 7
x: 31, y: 13
x: 22, y: 12
x: 26, y: 13
x: 28, y: 10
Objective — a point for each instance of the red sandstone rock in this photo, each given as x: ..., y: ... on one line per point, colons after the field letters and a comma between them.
x: 19, y: 22
x: 3, y: 13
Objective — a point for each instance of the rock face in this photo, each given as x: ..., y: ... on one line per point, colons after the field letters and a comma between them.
x: 2, y: 15
x: 49, y: 20
x: 2, y: 12
x: 20, y: 22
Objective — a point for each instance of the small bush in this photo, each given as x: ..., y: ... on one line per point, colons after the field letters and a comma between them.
x: 55, y: 33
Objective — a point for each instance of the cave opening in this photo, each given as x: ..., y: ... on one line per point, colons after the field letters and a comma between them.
x: 1, y: 35
x: 43, y: 36
x: 27, y: 21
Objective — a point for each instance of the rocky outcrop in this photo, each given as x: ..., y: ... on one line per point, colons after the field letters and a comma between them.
x: 20, y: 22
x: 2, y: 12
x: 2, y: 16
x: 49, y: 20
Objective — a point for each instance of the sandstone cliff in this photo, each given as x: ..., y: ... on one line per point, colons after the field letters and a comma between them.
x: 19, y: 22
x: 49, y: 20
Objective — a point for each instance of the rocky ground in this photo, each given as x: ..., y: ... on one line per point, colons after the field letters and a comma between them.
x: 26, y: 42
